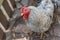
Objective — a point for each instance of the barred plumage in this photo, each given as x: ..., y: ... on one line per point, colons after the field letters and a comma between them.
x: 40, y: 18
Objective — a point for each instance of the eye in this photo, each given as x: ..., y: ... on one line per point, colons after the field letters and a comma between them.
x: 25, y: 9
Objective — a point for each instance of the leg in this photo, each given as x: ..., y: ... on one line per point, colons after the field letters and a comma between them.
x: 42, y: 34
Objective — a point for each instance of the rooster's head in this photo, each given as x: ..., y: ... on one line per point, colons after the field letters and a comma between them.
x: 24, y: 12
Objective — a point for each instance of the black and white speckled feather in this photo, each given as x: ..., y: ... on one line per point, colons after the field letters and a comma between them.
x: 40, y: 18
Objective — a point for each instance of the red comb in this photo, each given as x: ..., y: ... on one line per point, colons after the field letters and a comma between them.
x: 24, y: 9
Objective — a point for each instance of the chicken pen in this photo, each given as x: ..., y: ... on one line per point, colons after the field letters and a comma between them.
x: 13, y: 27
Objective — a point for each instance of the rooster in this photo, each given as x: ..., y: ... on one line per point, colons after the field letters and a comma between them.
x: 38, y: 19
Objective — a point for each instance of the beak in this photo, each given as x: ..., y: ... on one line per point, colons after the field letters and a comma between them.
x: 21, y: 14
